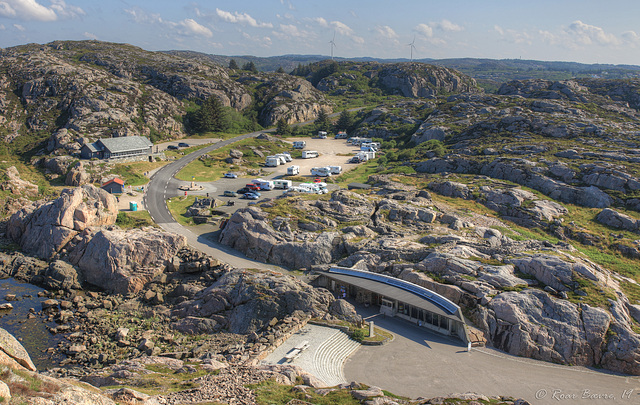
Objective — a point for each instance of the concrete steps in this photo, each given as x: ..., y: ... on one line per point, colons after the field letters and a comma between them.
x: 329, y: 358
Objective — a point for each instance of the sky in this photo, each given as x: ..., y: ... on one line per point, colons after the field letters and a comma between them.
x: 586, y: 31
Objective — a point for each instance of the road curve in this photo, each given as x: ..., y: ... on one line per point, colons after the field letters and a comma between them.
x: 163, y: 186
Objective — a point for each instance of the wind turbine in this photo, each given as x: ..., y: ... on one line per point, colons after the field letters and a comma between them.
x: 412, y: 47
x: 333, y: 43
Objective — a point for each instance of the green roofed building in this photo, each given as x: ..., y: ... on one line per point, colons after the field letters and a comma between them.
x: 116, y: 148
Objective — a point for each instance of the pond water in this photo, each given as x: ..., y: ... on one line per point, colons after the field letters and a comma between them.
x: 32, y: 333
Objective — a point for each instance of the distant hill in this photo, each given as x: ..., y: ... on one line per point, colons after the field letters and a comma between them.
x: 489, y: 73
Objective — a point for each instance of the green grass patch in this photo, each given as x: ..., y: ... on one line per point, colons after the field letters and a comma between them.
x: 270, y: 393
x: 133, y: 173
x: 134, y: 219
x: 631, y: 290
x: 178, y: 207
x: 611, y: 260
x: 212, y: 165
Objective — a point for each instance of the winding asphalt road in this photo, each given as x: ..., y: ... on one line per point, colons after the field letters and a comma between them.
x: 163, y: 185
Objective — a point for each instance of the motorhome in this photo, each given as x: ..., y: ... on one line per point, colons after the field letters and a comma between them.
x: 282, y: 184
x: 374, y: 145
x: 335, y: 169
x: 273, y: 161
x: 322, y: 134
x: 263, y: 184
x: 341, y: 135
x: 321, y: 171
x: 284, y: 155
x: 299, y: 144
x: 293, y: 170
x: 368, y: 148
x: 308, y: 154
x: 316, y: 188
x: 356, y: 140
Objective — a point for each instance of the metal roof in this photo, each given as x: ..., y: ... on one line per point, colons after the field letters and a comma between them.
x: 397, y: 289
x: 93, y: 147
x: 125, y: 143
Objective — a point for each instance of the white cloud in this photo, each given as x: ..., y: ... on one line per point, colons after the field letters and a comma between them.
x: 291, y: 30
x: 513, y: 36
x: 386, y: 31
x: 89, y: 35
x: 19, y: 27
x: 343, y: 29
x: 321, y: 21
x: 26, y: 10
x: 448, y: 26
x: 192, y: 27
x: 241, y: 18
x: 548, y: 37
x: 586, y: 34
x: 425, y: 30
x: 287, y: 4
x: 631, y: 36
x: 498, y: 29
x: 141, y: 17
x: 65, y: 10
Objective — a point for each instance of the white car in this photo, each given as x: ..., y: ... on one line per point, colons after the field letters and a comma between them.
x: 230, y: 176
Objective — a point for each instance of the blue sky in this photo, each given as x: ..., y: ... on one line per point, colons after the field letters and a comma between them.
x: 588, y: 31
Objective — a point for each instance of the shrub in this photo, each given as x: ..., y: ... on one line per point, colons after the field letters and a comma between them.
x: 358, y: 335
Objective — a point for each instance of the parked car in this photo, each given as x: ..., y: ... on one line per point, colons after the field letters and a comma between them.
x: 251, y: 196
x: 173, y: 147
x: 229, y: 193
x: 244, y: 190
x: 230, y: 176
x: 183, y: 145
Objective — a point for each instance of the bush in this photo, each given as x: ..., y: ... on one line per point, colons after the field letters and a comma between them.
x: 358, y: 335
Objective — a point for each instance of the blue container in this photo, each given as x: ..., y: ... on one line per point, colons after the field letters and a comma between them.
x: 133, y: 206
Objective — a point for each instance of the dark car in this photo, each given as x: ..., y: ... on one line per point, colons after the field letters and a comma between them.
x: 183, y: 145
x: 173, y: 147
x: 244, y: 190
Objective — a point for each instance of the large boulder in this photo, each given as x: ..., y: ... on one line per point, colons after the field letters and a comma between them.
x: 12, y: 351
x: 532, y: 324
x: 554, y: 271
x: 617, y: 220
x: 121, y: 261
x: 250, y: 300
x: 42, y: 230
x: 16, y: 186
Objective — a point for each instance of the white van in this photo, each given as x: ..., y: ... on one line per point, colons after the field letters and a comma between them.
x: 272, y: 161
x: 284, y: 155
x: 263, y: 184
x: 282, y: 184
x: 308, y: 154
x: 335, y: 169
x: 321, y: 171
x: 293, y: 170
x: 299, y: 144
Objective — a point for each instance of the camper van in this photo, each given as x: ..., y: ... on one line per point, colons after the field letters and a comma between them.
x: 321, y: 171
x: 341, y: 135
x: 375, y: 146
x: 272, y: 161
x: 308, y: 154
x: 322, y: 134
x: 293, y: 170
x: 263, y: 184
x: 299, y: 144
x: 282, y: 184
x: 335, y: 169
x: 284, y: 155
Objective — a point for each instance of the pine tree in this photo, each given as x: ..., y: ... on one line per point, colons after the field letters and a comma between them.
x: 233, y: 65
x: 280, y: 70
x: 282, y: 127
x: 212, y: 117
x: 322, y: 121
x: 345, y: 121
x: 250, y: 66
